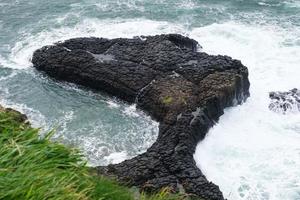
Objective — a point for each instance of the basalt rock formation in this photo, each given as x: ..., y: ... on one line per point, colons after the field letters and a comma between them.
x: 164, y: 75
x: 283, y: 102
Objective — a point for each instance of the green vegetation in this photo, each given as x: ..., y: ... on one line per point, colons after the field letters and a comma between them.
x: 36, y: 168
x: 167, y: 100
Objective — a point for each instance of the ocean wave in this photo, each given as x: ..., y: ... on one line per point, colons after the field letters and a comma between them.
x: 292, y: 3
x: 36, y: 119
x: 257, y: 149
x: 248, y: 141
x: 21, y: 53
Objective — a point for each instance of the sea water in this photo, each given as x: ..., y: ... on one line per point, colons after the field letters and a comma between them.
x: 251, y: 153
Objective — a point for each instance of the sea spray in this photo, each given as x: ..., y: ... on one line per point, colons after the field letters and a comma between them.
x: 252, y: 153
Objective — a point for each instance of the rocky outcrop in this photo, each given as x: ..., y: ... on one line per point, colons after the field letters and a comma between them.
x: 185, y: 90
x: 16, y: 115
x: 284, y: 102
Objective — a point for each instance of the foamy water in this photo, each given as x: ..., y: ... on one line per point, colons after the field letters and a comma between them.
x: 241, y: 152
x: 252, y: 153
x: 22, y: 51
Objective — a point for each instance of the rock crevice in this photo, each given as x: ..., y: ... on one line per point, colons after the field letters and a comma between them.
x: 185, y: 90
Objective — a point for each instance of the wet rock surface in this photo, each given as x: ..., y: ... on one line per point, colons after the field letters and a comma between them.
x: 185, y: 90
x: 284, y: 102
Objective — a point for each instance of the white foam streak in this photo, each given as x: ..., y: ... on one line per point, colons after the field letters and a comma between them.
x: 254, y: 153
x: 292, y: 3
x: 36, y: 119
x: 22, y: 51
x: 112, y: 104
x: 116, y: 157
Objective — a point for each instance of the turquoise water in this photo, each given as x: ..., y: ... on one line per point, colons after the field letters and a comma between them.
x: 251, y: 153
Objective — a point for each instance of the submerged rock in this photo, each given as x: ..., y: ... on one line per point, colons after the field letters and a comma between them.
x: 185, y: 90
x: 283, y: 102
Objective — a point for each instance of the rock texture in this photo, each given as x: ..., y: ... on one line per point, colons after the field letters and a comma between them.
x: 283, y: 102
x: 185, y: 90
x: 16, y: 115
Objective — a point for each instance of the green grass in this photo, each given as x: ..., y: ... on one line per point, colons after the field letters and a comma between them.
x: 36, y: 168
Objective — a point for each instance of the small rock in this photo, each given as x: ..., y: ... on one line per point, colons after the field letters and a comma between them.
x: 285, y: 102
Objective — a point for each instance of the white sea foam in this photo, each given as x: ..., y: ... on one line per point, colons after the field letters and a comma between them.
x: 36, y: 119
x: 253, y: 153
x: 119, y: 5
x: 2, y: 78
x: 116, y: 157
x: 112, y: 104
x: 100, y: 145
x: 131, y: 111
x: 187, y: 4
x: 22, y: 51
x: 267, y: 3
x: 292, y: 3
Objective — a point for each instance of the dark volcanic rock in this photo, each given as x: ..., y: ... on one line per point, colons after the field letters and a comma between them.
x: 185, y: 90
x: 283, y: 102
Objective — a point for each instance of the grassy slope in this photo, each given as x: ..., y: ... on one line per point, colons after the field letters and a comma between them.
x: 35, y: 168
